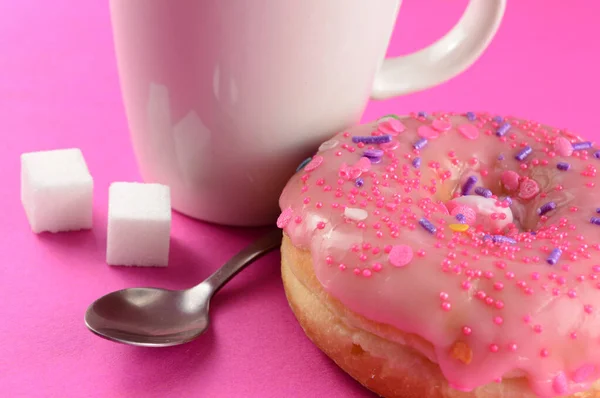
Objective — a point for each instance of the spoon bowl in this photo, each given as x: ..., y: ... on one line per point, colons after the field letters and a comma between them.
x: 153, y: 317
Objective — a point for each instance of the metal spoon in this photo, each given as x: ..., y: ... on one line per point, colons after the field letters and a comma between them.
x: 153, y: 317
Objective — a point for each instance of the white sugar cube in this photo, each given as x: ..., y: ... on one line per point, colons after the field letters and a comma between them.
x: 56, y: 190
x: 139, y: 224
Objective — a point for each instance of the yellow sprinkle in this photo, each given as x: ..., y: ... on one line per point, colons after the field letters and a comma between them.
x: 459, y: 227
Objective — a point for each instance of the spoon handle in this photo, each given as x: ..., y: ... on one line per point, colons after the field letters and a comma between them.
x: 271, y: 240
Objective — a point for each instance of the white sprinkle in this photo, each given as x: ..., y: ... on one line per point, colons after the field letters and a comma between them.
x: 328, y: 145
x: 355, y: 214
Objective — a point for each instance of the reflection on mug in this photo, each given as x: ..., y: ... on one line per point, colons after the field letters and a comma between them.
x: 192, y: 139
x: 217, y: 82
x: 157, y: 154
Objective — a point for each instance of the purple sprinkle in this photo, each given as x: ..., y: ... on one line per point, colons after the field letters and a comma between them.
x: 461, y: 218
x: 578, y: 146
x: 595, y: 220
x: 481, y: 191
x: 554, y: 256
x: 420, y: 144
x: 471, y: 116
x: 422, y: 114
x: 564, y: 166
x: 597, y: 154
x: 503, y: 239
x: 373, y: 153
x: 468, y: 185
x: 523, y: 153
x: 507, y: 199
x: 598, y: 210
x: 546, y: 207
x: 416, y: 163
x: 501, y: 156
x: 425, y: 223
x: 502, y: 130
x: 359, y: 182
x: 487, y: 237
x: 498, y: 119
x: 380, y: 139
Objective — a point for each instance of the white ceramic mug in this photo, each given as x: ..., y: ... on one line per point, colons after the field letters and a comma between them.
x: 225, y: 97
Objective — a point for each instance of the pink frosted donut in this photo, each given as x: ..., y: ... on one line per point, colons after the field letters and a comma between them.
x: 412, y: 297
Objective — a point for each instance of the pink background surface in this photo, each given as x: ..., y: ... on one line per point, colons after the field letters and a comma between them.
x: 59, y: 88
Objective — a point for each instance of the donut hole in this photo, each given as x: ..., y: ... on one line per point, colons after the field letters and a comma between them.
x: 482, y: 208
x: 526, y: 206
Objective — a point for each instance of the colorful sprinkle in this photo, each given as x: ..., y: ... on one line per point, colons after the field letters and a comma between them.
x: 422, y: 114
x: 595, y: 220
x: 503, y: 239
x: 373, y: 153
x: 285, y: 217
x: 355, y: 214
x: 391, y: 115
x: 498, y: 119
x: 363, y: 164
x: 528, y: 189
x: 442, y: 208
x: 441, y: 125
x: 584, y: 373
x: 468, y: 131
x: 328, y: 145
x: 427, y: 132
x: 468, y: 185
x: 481, y: 191
x: 563, y: 147
x: 303, y: 164
x: 391, y: 126
x: 390, y: 146
x: 416, y: 162
x: 559, y: 384
x: 359, y: 182
x: 503, y: 129
x: 545, y: 208
x: 400, y: 255
x: 461, y: 218
x: 469, y: 214
x: 579, y: 146
x: 564, y: 166
x: 427, y: 225
x: 380, y: 139
x: 420, y: 144
x: 314, y: 163
x: 352, y: 172
x: 554, y: 256
x: 471, y: 116
x: 523, y: 153
x: 597, y: 154
x: 510, y: 180
x: 459, y: 227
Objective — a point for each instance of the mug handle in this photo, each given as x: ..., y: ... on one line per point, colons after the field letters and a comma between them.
x: 444, y: 59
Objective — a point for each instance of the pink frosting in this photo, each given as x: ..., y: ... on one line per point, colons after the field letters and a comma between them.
x: 382, y: 244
